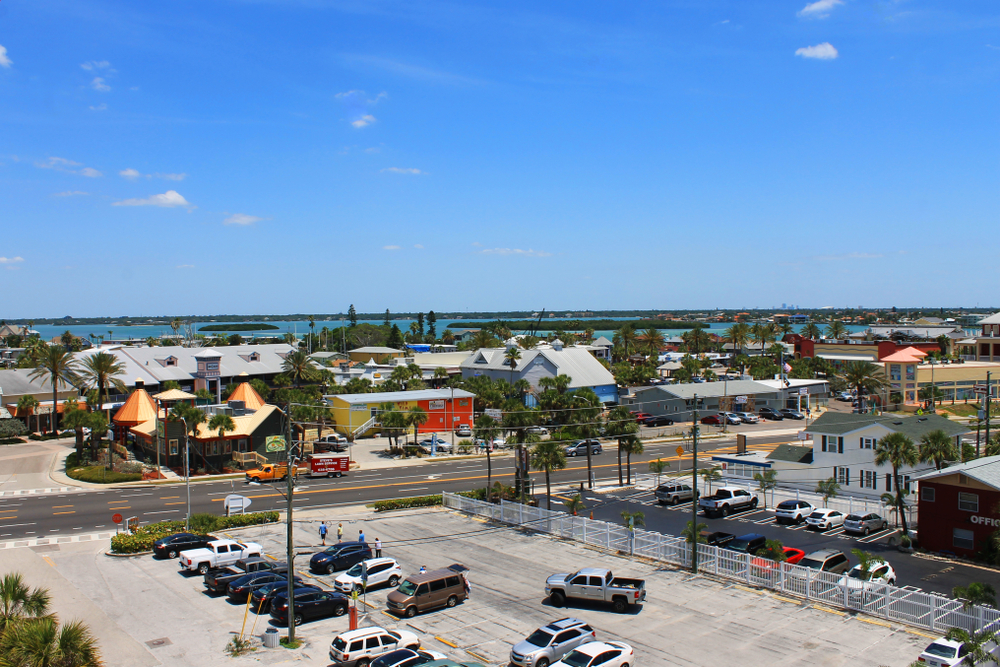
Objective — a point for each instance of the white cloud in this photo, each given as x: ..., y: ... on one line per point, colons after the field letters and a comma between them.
x: 516, y: 251
x: 477, y: 244
x: 419, y: 246
x: 171, y: 177
x: 64, y: 165
x: 99, y: 107
x: 405, y: 170
x: 185, y: 266
x: 4, y: 60
x: 11, y: 260
x: 820, y: 9
x: 90, y: 172
x: 71, y: 193
x: 364, y: 121
x: 133, y: 174
x: 169, y: 199
x: 130, y: 174
x: 824, y: 51
x: 846, y: 256
x: 391, y: 247
x: 95, y: 64
x: 241, y: 219
x: 374, y: 149
x: 99, y: 85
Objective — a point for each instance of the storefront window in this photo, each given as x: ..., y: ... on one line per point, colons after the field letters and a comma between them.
x: 968, y: 502
x: 894, y: 372
x: 927, y: 494
x: 911, y: 372
x: 963, y: 539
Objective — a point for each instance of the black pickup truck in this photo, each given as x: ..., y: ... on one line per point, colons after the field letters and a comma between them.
x: 217, y: 580
x: 717, y: 539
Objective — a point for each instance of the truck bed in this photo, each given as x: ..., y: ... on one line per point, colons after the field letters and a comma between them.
x: 619, y: 582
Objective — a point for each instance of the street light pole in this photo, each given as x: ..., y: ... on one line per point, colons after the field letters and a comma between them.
x: 694, y: 485
x: 187, y: 474
x: 290, y: 554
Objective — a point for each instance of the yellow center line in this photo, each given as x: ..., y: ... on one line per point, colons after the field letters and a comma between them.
x: 169, y: 497
x: 118, y: 502
x: 120, y: 508
x: 180, y: 503
x: 70, y: 512
x: 60, y: 507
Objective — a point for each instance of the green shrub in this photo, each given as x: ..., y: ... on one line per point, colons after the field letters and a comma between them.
x: 52, y: 436
x: 97, y: 475
x: 144, y: 536
x: 11, y: 428
x: 475, y: 494
x: 405, y: 503
x: 12, y: 441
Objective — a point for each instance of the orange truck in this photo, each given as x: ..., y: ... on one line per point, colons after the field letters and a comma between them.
x: 271, y: 471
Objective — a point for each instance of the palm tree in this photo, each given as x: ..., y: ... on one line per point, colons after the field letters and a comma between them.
x: 977, y: 645
x: 810, y: 331
x: 175, y: 324
x: 26, y: 405
x: 657, y: 467
x: 312, y: 332
x: 828, y: 488
x: 936, y: 446
x: 57, y: 365
x: 298, y: 366
x: 766, y: 481
x: 511, y: 357
x: 485, y: 430
x: 865, y: 561
x: 865, y: 377
x: 191, y: 416
x: 633, y: 520
x: 101, y: 370
x: 773, y: 550
x: 692, y: 533
x: 653, y: 341
x: 574, y: 504
x: 483, y: 339
x: 739, y: 335
x: 76, y: 419
x: 416, y: 417
x: 975, y: 594
x: 836, y: 329
x: 696, y: 340
x: 626, y: 337
x: 547, y: 455
x: 42, y: 642
x: 632, y: 444
x: 620, y: 424
x: 711, y: 475
x: 18, y: 602
x: 897, y: 450
x: 222, y: 423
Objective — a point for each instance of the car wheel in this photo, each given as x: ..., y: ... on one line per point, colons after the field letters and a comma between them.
x: 203, y: 568
x: 452, y: 601
x: 393, y: 581
x: 340, y: 474
x: 411, y: 611
x: 557, y: 599
x: 340, y: 610
x: 541, y: 662
x: 753, y: 504
x: 172, y: 553
x: 298, y: 619
x: 619, y: 605
x: 799, y: 519
x: 724, y: 511
x: 329, y: 568
x: 363, y: 662
x: 329, y: 475
x: 675, y: 500
x: 884, y: 525
x: 867, y: 531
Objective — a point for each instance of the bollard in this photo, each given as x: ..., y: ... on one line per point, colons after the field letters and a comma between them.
x: 352, y: 617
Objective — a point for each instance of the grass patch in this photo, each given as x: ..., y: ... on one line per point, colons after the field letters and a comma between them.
x: 290, y: 644
x: 98, y: 475
x: 961, y: 409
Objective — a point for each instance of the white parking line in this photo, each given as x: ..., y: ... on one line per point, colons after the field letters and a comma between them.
x: 769, y: 519
x: 161, y: 512
x: 875, y: 537
x: 834, y: 531
x: 801, y: 526
x: 751, y: 513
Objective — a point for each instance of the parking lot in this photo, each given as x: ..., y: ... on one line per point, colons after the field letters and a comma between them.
x: 685, y: 620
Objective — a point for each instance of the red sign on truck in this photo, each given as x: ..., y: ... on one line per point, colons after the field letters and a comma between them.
x: 327, y: 465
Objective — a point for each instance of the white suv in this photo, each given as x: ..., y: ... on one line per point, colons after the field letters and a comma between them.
x: 792, y: 511
x: 359, y: 647
x: 380, y: 571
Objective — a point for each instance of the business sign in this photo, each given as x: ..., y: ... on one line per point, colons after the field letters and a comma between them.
x: 160, y: 430
x: 275, y: 443
x: 494, y: 413
x: 980, y: 389
x: 235, y: 504
x: 359, y: 407
x: 435, y: 405
x: 740, y: 399
x: 804, y: 391
x: 985, y: 521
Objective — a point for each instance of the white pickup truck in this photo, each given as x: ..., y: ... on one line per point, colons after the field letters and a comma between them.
x: 220, y: 553
x: 727, y: 500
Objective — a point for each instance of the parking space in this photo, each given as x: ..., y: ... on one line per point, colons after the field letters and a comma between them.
x: 685, y: 620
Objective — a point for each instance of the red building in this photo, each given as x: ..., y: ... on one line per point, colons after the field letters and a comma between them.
x: 446, y: 409
x: 959, y: 507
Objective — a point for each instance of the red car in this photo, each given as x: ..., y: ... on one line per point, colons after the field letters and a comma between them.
x: 792, y: 557
x: 641, y: 416
x: 712, y: 419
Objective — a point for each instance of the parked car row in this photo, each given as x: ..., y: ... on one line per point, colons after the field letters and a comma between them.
x: 569, y: 642
x: 798, y: 511
x: 737, y: 418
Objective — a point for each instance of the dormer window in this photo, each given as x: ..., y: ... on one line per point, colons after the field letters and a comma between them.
x: 481, y: 359
x: 253, y: 356
x: 169, y: 361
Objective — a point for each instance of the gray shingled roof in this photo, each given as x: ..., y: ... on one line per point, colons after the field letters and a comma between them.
x: 793, y: 453
x: 713, y: 389
x: 915, y: 427
x: 398, y: 396
x: 985, y: 470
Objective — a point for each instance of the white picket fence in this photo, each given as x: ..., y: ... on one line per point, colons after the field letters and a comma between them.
x: 926, y: 610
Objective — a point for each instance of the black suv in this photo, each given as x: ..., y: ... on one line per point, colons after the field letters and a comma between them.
x: 658, y: 420
x: 170, y: 547
x: 750, y: 543
x: 771, y: 413
x: 314, y: 604
x: 792, y: 414
x: 340, y: 557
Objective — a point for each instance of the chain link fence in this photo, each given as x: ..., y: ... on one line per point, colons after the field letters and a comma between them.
x: 918, y: 608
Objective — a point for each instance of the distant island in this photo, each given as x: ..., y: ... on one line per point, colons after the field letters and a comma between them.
x: 581, y: 325
x: 244, y: 326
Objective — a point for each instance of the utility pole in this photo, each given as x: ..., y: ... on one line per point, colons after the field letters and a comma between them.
x: 156, y: 424
x: 694, y: 486
x: 187, y: 473
x: 989, y: 395
x: 290, y: 551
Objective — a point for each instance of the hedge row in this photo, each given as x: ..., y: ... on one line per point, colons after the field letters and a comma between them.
x: 11, y: 441
x: 405, y: 503
x: 97, y: 475
x: 52, y: 436
x: 144, y: 536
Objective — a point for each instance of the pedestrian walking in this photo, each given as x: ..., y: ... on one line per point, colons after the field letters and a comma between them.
x: 361, y: 536
x: 322, y: 532
x: 378, y: 548
x: 340, y: 532
x: 468, y: 586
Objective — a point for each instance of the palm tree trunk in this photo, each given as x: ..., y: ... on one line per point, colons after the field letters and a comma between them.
x: 548, y: 490
x: 489, y: 471
x: 55, y: 394
x: 628, y: 467
x: 619, y: 462
x: 899, y: 500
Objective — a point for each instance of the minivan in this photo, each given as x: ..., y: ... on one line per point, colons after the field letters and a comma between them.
x: 429, y: 590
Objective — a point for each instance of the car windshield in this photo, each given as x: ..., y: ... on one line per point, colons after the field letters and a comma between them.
x: 816, y: 515
x: 407, y: 588
x: 941, y: 651
x: 739, y: 545
x: 786, y: 505
x: 539, y: 638
x: 859, y: 574
x: 811, y: 563
x: 339, y: 644
x: 576, y: 659
x: 854, y: 517
x: 354, y: 571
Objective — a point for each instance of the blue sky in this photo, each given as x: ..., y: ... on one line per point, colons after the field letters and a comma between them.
x: 300, y: 156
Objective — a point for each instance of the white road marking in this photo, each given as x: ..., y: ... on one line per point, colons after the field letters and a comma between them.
x: 161, y: 512
x: 14, y: 525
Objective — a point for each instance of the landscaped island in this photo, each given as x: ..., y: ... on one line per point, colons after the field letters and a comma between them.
x: 242, y: 326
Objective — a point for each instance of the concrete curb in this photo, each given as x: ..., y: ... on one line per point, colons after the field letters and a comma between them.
x: 114, y: 555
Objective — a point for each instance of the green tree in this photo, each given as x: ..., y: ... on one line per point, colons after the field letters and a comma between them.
x: 977, y: 644
x: 656, y: 467
x: 936, y: 446
x: 898, y: 451
x: 692, y: 532
x: 43, y: 642
x: 620, y: 425
x: 101, y: 371
x: 299, y: 367
x: 638, y: 519
x: 574, y: 504
x: 632, y: 445
x: 828, y: 488
x: 866, y: 561
x: 836, y: 329
x: 392, y: 421
x: 864, y: 377
x: 222, y: 423
x: 76, y: 419
x: 547, y: 456
x: 26, y: 406
x: 19, y: 603
x: 711, y: 475
x: 652, y: 341
x: 416, y: 417
x: 975, y: 593
x: 773, y: 550
x: 766, y: 481
x: 626, y: 337
x: 55, y: 364
x: 510, y: 358
x: 485, y: 430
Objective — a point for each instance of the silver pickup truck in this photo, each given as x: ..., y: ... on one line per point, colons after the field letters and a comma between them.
x: 597, y: 585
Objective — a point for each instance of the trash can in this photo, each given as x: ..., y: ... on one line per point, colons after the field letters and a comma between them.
x: 271, y: 638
